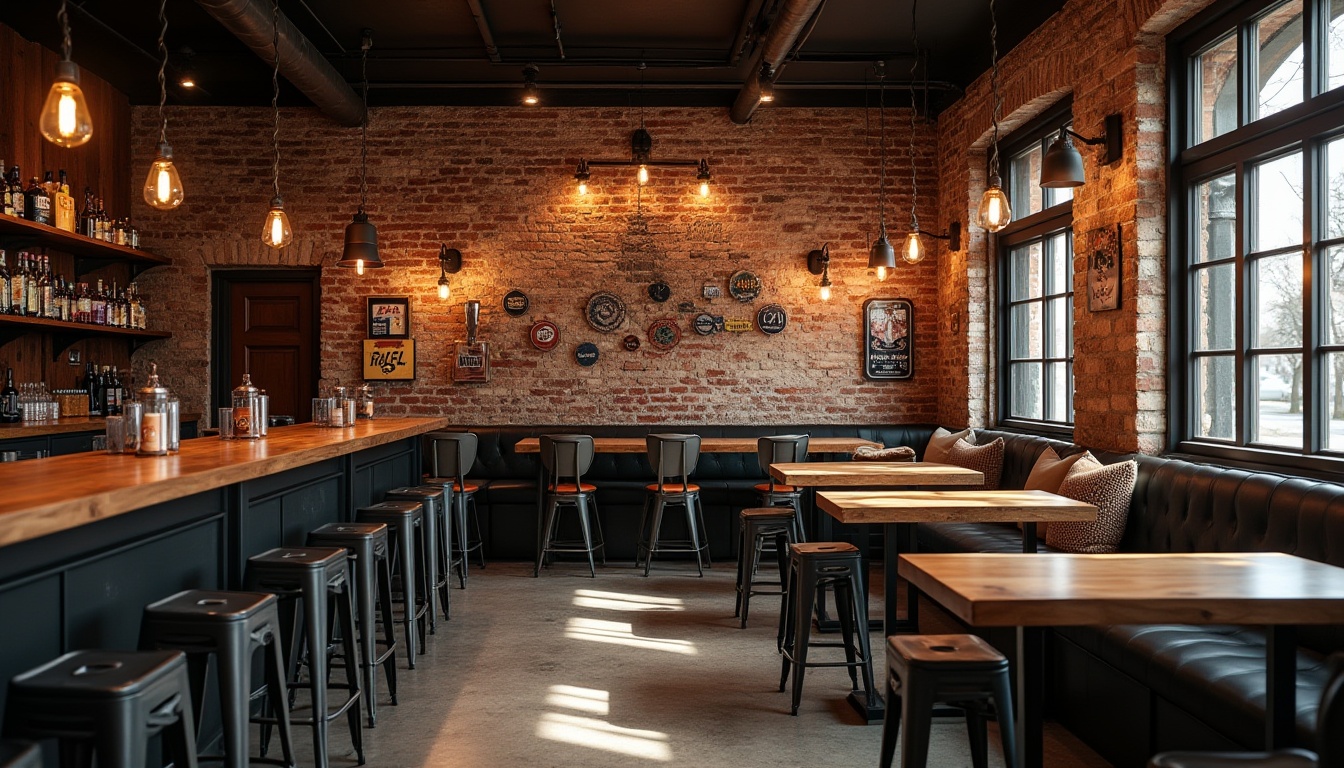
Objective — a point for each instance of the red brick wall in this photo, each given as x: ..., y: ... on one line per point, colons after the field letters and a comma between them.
x: 497, y: 184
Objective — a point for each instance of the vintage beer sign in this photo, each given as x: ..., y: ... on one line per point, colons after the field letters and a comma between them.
x: 389, y: 359
x: 771, y: 319
x: 471, y: 363
x: 516, y: 303
x: 888, y: 339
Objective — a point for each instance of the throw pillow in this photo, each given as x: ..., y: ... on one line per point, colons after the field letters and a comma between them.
x: 1109, y: 489
x: 941, y: 440
x: 895, y: 453
x: 1050, y: 470
x: 987, y: 458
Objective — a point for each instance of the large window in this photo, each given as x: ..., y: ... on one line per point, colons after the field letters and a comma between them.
x: 1036, y: 288
x: 1258, y: 233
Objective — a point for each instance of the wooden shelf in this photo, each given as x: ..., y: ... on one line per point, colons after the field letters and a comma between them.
x: 64, y: 334
x: 24, y: 233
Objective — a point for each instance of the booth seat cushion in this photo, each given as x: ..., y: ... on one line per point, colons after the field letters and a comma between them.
x: 972, y: 537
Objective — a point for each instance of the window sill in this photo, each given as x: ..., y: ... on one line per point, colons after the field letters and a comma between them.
x: 1329, y: 468
x: 1040, y: 429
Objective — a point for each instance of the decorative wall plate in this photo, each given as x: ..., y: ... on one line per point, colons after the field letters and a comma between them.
x: 516, y: 303
x: 704, y: 325
x: 606, y: 312
x: 631, y: 342
x: 711, y: 291
x: 545, y: 335
x: 586, y: 354
x: 660, y: 291
x: 664, y: 334
x: 771, y: 319
x: 744, y: 286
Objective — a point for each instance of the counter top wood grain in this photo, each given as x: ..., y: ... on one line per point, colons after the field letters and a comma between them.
x: 63, y: 426
x: 952, y: 506
x: 44, y: 496
x: 833, y: 474
x: 707, y: 445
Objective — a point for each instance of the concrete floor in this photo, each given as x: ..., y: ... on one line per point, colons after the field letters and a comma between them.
x: 624, y: 670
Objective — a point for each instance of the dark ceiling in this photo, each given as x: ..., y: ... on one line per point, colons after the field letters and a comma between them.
x: 695, y: 52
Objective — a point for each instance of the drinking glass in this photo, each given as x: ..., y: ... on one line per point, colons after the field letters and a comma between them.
x: 116, y: 434
x: 322, y: 410
x: 225, y: 423
x: 133, y: 413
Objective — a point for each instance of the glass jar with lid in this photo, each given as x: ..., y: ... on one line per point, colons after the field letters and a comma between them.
x: 154, y: 417
x: 246, y: 410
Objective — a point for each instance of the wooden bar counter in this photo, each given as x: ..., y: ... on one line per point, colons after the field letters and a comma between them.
x: 87, y: 540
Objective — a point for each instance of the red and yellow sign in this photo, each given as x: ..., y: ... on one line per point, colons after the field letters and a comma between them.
x: 389, y: 359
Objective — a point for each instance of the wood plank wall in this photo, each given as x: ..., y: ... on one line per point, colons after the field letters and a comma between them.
x: 103, y: 165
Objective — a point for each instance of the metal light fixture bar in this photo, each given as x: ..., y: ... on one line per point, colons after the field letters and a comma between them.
x: 641, y: 145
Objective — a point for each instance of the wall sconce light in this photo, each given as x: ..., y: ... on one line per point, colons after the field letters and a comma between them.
x: 703, y: 177
x: 1062, y: 165
x: 641, y: 148
x: 581, y: 177
x: 819, y: 263
x: 450, y: 262
x: 531, y: 92
x: 766, y: 80
x: 915, y: 248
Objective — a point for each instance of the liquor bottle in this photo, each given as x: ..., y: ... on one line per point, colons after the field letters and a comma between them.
x: 112, y: 392
x: 32, y: 297
x: 6, y: 200
x: 99, y: 306
x: 15, y: 187
x: 99, y: 221
x: 36, y: 203
x: 83, y: 305
x: 5, y: 295
x: 16, y: 305
x: 45, y: 298
x: 86, y: 216
x: 9, y: 399
x: 49, y: 184
x: 91, y: 389
x: 63, y: 205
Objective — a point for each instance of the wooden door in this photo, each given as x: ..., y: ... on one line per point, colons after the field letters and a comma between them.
x: 272, y: 333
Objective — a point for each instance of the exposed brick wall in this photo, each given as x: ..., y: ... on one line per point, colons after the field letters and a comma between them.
x: 497, y: 184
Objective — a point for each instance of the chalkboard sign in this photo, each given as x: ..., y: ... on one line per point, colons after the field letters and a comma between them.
x: 888, y: 339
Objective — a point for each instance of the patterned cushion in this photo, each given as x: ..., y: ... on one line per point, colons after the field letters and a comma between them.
x: 895, y: 453
x: 941, y: 441
x: 987, y: 458
x: 1049, y: 471
x: 1109, y: 489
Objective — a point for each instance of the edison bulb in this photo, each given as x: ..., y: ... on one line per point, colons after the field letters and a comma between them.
x: 583, y: 187
x: 163, y: 187
x: 276, y: 232
x: 359, y: 266
x: 914, y: 248
x: 825, y: 293
x: 704, y: 189
x: 444, y: 290
x: 65, y: 119
x: 995, y: 213
x: 881, y: 274
x: 643, y: 174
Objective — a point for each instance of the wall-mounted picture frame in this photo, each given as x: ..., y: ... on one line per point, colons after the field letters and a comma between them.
x: 1103, y: 270
x: 389, y: 359
x: 888, y: 339
x: 389, y: 317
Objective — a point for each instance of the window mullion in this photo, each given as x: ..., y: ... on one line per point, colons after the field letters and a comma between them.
x: 1243, y: 393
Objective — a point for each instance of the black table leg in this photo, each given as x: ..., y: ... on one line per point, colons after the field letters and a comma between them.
x: 1030, y: 696
x: 1029, y: 538
x: 897, y: 538
x: 1280, y: 686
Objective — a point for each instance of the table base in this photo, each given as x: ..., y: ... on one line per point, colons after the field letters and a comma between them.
x: 870, y: 708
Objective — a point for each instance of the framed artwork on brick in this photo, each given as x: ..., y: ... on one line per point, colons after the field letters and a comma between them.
x: 1103, y: 270
x: 389, y: 317
x: 888, y: 339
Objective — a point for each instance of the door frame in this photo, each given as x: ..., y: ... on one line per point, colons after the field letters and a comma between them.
x: 222, y: 378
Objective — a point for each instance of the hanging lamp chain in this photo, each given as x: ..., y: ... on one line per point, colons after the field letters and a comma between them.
x: 882, y: 147
x: 364, y: 130
x: 64, y: 18
x: 994, y: 86
x: 163, y: 66
x: 275, y: 94
x: 914, y: 175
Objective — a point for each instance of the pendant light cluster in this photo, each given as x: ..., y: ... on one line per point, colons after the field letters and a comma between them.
x: 361, y: 237
x: 276, y: 232
x: 994, y: 213
x: 163, y: 185
x: 65, y: 120
x: 882, y: 257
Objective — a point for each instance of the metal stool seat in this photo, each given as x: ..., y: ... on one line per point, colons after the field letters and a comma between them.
x: 107, y: 704
x: 673, y: 458
x: 438, y: 546
x: 405, y: 532
x: 232, y: 626
x: 366, y: 547
x: 754, y: 528
x: 450, y: 457
x: 813, y: 565
x: 961, y: 670
x: 566, y: 458
x: 20, y: 754
x: 319, y: 577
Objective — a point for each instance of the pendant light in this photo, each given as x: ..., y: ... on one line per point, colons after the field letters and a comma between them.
x: 163, y: 187
x: 361, y: 237
x: 913, y: 252
x: 65, y: 119
x: 995, y: 213
x: 882, y: 256
x: 702, y: 175
x: 276, y: 231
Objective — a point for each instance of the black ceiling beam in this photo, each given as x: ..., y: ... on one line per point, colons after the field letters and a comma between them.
x: 779, y: 40
x: 483, y: 26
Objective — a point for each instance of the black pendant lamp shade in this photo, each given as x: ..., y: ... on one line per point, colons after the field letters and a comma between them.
x: 882, y: 254
x: 1062, y: 165
x: 361, y: 244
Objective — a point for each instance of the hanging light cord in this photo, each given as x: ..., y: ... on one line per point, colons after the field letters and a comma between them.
x: 882, y: 148
x: 163, y: 66
x: 914, y: 175
x: 275, y: 94
x: 994, y: 86
x: 64, y: 17
x: 364, y: 133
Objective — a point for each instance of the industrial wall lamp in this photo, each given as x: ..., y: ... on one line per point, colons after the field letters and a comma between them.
x: 450, y: 263
x: 641, y: 149
x: 819, y: 263
x: 1062, y: 165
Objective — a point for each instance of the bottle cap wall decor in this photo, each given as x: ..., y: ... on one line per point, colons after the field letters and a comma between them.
x: 586, y: 354
x: 704, y: 325
x: 606, y: 312
x: 516, y: 303
x: 545, y: 335
x: 771, y: 319
x: 664, y: 334
x: 660, y: 291
x: 631, y: 342
x: 744, y: 286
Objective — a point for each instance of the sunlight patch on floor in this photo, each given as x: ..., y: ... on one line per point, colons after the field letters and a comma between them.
x: 583, y: 699
x: 596, y: 734
x: 621, y: 633
x: 618, y: 601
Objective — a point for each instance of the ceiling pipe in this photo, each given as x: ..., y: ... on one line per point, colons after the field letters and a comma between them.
x: 300, y: 62
x: 778, y: 40
x: 483, y: 26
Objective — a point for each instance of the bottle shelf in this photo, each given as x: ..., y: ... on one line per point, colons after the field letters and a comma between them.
x: 21, y: 233
x: 64, y: 334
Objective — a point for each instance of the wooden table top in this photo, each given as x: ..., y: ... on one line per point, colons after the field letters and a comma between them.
x: 952, y: 507
x: 707, y: 445
x: 44, y: 496
x: 832, y: 474
x: 1001, y: 590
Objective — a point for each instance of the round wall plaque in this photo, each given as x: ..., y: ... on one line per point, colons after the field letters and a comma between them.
x: 664, y: 334
x: 744, y: 286
x: 516, y: 303
x: 545, y: 335
x: 631, y: 342
x: 606, y: 312
x: 771, y: 319
x: 660, y: 291
x: 586, y: 354
x: 704, y: 324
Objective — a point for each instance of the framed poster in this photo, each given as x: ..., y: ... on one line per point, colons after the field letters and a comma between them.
x: 389, y: 317
x: 1103, y: 270
x: 389, y: 359
x: 888, y: 339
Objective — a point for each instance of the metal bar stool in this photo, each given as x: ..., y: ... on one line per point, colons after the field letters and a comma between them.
x: 756, y: 526
x: 451, y: 457
x: 232, y: 626
x: 366, y: 548
x: 779, y: 449
x: 813, y: 565
x: 20, y: 754
x: 673, y: 458
x: 318, y: 576
x: 406, y: 535
x: 961, y: 670
x: 437, y: 523
x: 566, y: 458
x: 107, y: 704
